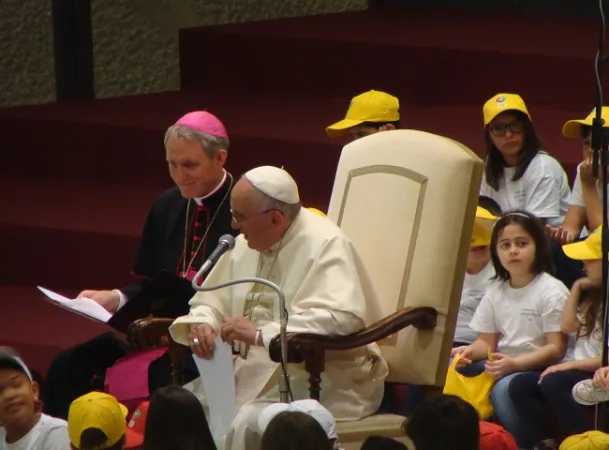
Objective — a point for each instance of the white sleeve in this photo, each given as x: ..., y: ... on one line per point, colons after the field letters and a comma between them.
x: 542, y: 197
x: 485, y: 189
x: 577, y: 195
x: 122, y: 299
x: 56, y: 439
x: 551, y: 312
x: 484, y: 317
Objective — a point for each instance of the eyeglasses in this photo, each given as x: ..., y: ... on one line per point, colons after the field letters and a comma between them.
x: 499, y: 130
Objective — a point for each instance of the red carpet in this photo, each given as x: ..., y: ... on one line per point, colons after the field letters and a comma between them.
x: 78, y: 178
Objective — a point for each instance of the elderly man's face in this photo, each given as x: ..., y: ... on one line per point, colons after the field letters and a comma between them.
x: 195, y: 173
x: 261, y: 229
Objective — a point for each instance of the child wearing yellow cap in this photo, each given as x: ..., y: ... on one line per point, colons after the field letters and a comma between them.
x: 585, y: 207
x: 97, y: 421
x: 581, y: 317
x: 368, y: 113
x: 479, y: 270
x: 518, y: 173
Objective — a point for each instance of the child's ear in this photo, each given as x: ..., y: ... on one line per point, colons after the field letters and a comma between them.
x: 36, y: 390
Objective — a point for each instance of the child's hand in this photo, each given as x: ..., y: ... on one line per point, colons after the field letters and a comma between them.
x: 466, y: 354
x: 601, y: 378
x: 560, y: 234
x: 555, y: 368
x: 585, y: 283
x: 501, y: 366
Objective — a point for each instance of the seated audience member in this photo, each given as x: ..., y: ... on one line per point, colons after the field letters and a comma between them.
x: 368, y: 113
x: 327, y: 292
x: 518, y: 173
x: 311, y: 407
x: 174, y: 420
x: 585, y: 208
x: 582, y: 316
x: 479, y: 271
x: 590, y: 440
x: 97, y: 421
x: 22, y: 425
x: 294, y: 430
x: 444, y: 422
x: 382, y: 443
x: 518, y: 319
x: 180, y: 232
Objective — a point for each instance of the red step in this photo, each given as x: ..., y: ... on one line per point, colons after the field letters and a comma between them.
x: 425, y: 58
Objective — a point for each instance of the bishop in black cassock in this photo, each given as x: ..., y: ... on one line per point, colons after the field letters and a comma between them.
x: 181, y: 230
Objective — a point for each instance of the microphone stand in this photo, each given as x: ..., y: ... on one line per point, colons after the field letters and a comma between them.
x: 599, y: 148
x: 284, y: 385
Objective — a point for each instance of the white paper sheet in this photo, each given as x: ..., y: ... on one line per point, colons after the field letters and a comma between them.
x: 217, y: 376
x: 81, y: 305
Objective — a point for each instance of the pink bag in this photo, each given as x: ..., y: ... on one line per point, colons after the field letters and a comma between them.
x: 127, y: 379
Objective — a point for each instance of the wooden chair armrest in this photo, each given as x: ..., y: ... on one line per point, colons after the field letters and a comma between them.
x: 311, y: 348
x: 149, y: 332
x: 422, y: 318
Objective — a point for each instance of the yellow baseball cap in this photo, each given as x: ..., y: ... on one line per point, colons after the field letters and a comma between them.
x: 572, y: 128
x: 501, y: 103
x: 97, y: 410
x: 317, y: 211
x: 483, y: 227
x: 587, y: 250
x: 371, y: 106
x: 590, y: 440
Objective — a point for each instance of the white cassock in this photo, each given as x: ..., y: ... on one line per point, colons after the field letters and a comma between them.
x: 327, y: 292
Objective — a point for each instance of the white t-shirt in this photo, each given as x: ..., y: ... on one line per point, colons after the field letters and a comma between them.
x: 577, y: 193
x: 590, y: 345
x: 543, y: 190
x: 48, y: 434
x: 474, y: 287
x: 522, y: 316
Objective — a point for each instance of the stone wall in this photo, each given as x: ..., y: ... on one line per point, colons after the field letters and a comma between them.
x: 27, y: 72
x: 135, y: 42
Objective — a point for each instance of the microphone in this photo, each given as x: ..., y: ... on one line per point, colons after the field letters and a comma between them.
x: 225, y: 243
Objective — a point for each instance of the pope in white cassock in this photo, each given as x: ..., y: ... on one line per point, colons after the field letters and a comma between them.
x: 327, y: 291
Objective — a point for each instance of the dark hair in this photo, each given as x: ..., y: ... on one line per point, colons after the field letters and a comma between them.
x: 493, y: 161
x: 534, y: 228
x: 490, y: 205
x: 584, y: 131
x: 444, y: 419
x: 176, y: 421
x: 378, y: 125
x: 589, y: 306
x: 294, y: 430
x: 94, y: 438
x: 382, y: 443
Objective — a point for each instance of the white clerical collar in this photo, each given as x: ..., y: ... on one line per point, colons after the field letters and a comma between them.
x: 199, y: 200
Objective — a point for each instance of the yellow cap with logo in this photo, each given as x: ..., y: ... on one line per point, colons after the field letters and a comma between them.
x: 587, y: 250
x: 501, y: 103
x: 371, y: 106
x: 97, y: 410
x: 483, y: 228
x: 572, y: 128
